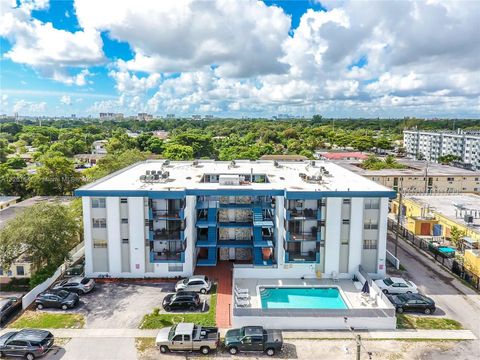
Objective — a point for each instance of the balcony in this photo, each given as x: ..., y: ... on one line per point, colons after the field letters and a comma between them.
x: 301, y: 257
x: 302, y: 236
x: 303, y: 214
x: 167, y: 256
x: 168, y: 214
x: 164, y: 234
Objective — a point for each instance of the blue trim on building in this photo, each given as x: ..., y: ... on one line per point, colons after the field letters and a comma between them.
x: 316, y: 195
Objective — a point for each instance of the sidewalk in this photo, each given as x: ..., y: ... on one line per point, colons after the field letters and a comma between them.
x: 377, y: 335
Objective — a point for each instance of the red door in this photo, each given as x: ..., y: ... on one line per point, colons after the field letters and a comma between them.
x: 425, y: 229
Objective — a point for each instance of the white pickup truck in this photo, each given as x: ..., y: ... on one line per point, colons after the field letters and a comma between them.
x: 188, y: 337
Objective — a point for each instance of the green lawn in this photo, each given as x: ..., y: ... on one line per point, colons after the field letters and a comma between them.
x: 44, y: 320
x: 157, y: 321
x: 426, y: 323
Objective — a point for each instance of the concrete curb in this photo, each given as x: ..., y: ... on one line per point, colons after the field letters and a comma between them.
x: 312, y: 335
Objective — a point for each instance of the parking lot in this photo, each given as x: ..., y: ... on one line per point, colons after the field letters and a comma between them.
x: 121, y: 305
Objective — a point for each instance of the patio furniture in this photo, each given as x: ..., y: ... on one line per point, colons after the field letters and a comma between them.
x: 241, y: 302
x: 241, y: 291
x: 334, y: 276
x: 242, y: 295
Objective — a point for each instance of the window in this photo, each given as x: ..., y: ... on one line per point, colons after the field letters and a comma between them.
x: 370, y: 244
x: 124, y: 221
x: 99, y: 244
x: 98, y: 203
x: 20, y: 270
x: 450, y: 179
x: 346, y: 201
x: 346, y: 221
x: 372, y: 203
x: 370, y: 224
x: 186, y: 337
x: 100, y: 223
x: 124, y: 241
x: 123, y: 200
x: 177, y: 338
x: 175, y: 267
x: 1, y: 272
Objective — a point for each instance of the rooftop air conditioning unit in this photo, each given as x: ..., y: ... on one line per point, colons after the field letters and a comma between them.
x: 312, y: 163
x: 166, y: 162
x: 195, y: 162
x: 302, y: 175
x: 275, y: 163
x: 142, y: 177
x: 165, y: 175
x: 147, y: 172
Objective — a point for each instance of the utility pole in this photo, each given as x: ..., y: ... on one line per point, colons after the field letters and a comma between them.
x: 359, y: 346
x: 426, y: 176
x: 399, y: 214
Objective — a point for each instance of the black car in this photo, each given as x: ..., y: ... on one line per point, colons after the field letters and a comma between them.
x: 182, y: 300
x: 26, y: 343
x: 412, y: 302
x: 57, y: 299
x: 9, y: 306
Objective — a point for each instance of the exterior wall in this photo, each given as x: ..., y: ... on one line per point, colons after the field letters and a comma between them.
x: 14, y: 272
x: 472, y: 261
x: 113, y: 235
x: 439, y: 184
x: 415, y: 215
x: 356, y: 231
x: 87, y: 237
x: 432, y: 145
x: 136, y: 224
x: 332, y: 236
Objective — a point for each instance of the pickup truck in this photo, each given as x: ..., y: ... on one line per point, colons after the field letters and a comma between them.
x: 188, y: 337
x: 253, y: 338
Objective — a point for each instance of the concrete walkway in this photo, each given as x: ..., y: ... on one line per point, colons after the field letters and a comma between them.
x: 383, y: 335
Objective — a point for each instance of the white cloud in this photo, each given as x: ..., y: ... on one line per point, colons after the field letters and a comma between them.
x: 29, y: 108
x: 131, y: 84
x: 49, y: 50
x: 66, y: 100
x: 243, y: 38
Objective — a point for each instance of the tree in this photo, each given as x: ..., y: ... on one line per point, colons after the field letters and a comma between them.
x: 200, y: 143
x: 16, y: 163
x: 56, y: 176
x: 4, y: 150
x: 114, y: 162
x: 45, y: 231
x: 178, y: 152
x: 447, y: 159
x: 456, y: 236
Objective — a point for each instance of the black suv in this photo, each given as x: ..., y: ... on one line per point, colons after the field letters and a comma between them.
x: 57, y: 299
x: 412, y: 302
x: 27, y: 343
x: 182, y: 300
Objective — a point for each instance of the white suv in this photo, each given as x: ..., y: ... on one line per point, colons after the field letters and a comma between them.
x: 196, y: 283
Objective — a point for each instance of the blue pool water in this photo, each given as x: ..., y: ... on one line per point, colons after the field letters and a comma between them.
x: 302, y: 298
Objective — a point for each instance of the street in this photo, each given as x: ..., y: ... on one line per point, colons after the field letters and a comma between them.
x: 453, y: 299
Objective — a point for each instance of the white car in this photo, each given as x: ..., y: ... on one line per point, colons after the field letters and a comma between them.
x: 196, y: 283
x: 395, y: 285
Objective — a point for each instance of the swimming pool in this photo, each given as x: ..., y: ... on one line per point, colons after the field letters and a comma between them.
x: 302, y: 298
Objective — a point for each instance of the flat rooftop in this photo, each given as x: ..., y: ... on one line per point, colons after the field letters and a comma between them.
x: 450, y: 205
x: 280, y: 175
x: 413, y: 168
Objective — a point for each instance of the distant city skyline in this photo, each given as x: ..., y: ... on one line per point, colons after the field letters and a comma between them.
x: 240, y: 58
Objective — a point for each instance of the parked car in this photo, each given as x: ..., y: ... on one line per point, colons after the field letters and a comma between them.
x: 9, y: 306
x: 396, y: 285
x: 78, y: 285
x: 57, y: 299
x: 188, y: 337
x: 197, y: 283
x: 182, y: 300
x: 26, y: 343
x: 253, y: 338
x: 413, y: 302
x: 75, y: 270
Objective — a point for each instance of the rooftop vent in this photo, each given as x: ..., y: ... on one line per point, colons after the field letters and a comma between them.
x: 312, y: 163
x: 276, y: 164
x: 195, y: 162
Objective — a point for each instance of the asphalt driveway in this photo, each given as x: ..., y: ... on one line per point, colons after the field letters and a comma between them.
x: 122, y: 305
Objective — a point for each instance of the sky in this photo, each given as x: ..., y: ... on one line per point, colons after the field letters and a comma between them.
x: 240, y: 58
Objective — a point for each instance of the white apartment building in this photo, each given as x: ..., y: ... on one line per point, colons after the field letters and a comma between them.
x: 278, y: 219
x: 431, y: 145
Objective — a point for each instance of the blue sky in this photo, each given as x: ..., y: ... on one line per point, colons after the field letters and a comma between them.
x: 240, y: 58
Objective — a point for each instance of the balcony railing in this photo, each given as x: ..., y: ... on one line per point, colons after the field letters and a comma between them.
x: 303, y: 213
x: 167, y: 235
x: 166, y: 256
x: 297, y: 256
x: 306, y: 236
x: 169, y: 213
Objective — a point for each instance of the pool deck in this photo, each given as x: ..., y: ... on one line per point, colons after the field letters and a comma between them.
x: 350, y: 293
